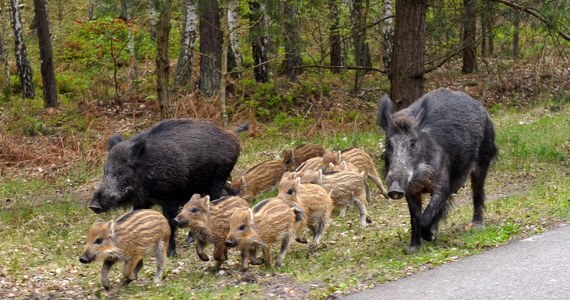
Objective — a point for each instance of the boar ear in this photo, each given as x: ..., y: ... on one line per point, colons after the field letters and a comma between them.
x: 206, y: 201
x: 298, y: 180
x: 385, y: 113
x: 139, y: 148
x: 420, y: 117
x: 114, y: 140
x: 250, y: 214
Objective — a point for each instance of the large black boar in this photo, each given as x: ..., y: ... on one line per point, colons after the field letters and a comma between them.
x: 433, y: 146
x: 166, y: 165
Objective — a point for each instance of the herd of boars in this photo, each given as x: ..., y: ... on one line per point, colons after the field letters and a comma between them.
x: 183, y: 165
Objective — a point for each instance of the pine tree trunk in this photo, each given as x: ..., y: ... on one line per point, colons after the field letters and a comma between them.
x: 91, y: 10
x: 22, y: 62
x: 407, y: 82
x: 292, y: 41
x: 516, y: 32
x: 187, y: 43
x: 469, y: 31
x: 210, y: 47
x: 387, y: 32
x: 259, y: 40
x: 361, y: 55
x: 234, y: 32
x: 334, y: 36
x: 48, y: 75
x: 162, y: 59
x: 5, y: 78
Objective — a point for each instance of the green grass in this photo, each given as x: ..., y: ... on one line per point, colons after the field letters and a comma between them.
x: 528, y: 187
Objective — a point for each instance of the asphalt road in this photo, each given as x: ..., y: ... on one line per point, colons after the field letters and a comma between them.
x: 534, y: 268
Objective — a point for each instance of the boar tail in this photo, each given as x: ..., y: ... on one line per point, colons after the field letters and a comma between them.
x: 299, y: 214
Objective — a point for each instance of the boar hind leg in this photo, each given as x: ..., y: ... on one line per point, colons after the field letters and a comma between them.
x: 105, y: 273
x: 478, y: 186
x: 415, y: 207
x: 363, y: 211
x: 285, y: 244
x: 220, y: 254
x: 267, y: 256
x: 160, y: 252
x: 318, y: 232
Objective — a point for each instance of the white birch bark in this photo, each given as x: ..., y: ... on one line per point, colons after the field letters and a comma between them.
x: 5, y: 82
x: 387, y: 32
x: 153, y: 17
x: 22, y: 62
x: 187, y: 44
x: 234, y: 31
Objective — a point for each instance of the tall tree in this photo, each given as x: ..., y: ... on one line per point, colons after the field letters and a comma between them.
x: 153, y: 10
x: 407, y: 82
x: 334, y: 36
x: 5, y: 78
x: 358, y: 17
x: 387, y: 32
x: 292, y: 42
x: 187, y: 44
x: 210, y: 46
x: 487, y: 24
x: 259, y: 40
x: 234, y: 32
x: 225, y: 32
x: 48, y: 76
x: 126, y: 15
x: 469, y: 31
x: 22, y: 62
x: 162, y: 59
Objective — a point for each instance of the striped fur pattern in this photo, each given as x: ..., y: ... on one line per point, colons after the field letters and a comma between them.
x: 314, y: 163
x: 259, y: 178
x: 345, y: 187
x: 270, y: 221
x: 293, y: 158
x: 209, y: 223
x: 128, y: 239
x: 315, y: 202
x: 364, y: 162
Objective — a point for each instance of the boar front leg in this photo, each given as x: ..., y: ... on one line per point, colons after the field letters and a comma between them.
x: 285, y: 244
x: 220, y: 254
x: 105, y: 273
x: 200, y: 244
x: 363, y: 212
x: 131, y: 269
x: 415, y: 207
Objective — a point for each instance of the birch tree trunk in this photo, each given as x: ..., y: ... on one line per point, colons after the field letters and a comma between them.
x: 387, y: 32
x: 187, y: 44
x: 210, y: 47
x: 225, y: 31
x: 126, y: 15
x: 234, y: 32
x: 22, y: 62
x: 153, y: 14
x: 5, y: 78
x: 162, y: 59
x: 46, y: 58
x: 259, y: 40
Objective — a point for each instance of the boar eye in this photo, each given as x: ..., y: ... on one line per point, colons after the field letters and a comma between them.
x: 98, y: 241
x: 195, y: 210
x: 241, y: 228
x: 287, y: 161
x: 290, y: 192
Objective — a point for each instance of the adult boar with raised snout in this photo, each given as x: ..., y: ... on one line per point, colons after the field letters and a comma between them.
x: 433, y: 146
x: 166, y: 165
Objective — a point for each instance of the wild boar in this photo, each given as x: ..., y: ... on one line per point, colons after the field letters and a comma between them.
x: 364, y: 163
x: 314, y: 163
x: 259, y: 178
x: 129, y: 239
x: 293, y: 158
x: 166, y: 165
x: 345, y: 187
x: 270, y: 221
x: 209, y: 223
x: 314, y: 200
x: 433, y: 146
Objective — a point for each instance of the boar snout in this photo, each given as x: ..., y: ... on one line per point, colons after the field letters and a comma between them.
x: 230, y: 243
x: 96, y: 208
x: 180, y: 222
x: 85, y: 259
x: 395, y: 191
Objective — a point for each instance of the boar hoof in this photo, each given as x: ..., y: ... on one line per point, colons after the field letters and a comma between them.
x: 256, y: 261
x: 368, y: 220
x: 301, y: 240
x: 189, y: 239
x: 203, y: 257
x: 412, y: 249
x: 126, y: 281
